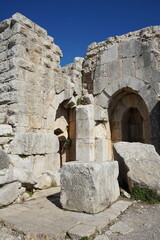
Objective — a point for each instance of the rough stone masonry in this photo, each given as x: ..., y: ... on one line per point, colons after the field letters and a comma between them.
x: 50, y: 114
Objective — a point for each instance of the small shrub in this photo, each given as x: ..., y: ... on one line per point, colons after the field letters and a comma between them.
x: 144, y: 195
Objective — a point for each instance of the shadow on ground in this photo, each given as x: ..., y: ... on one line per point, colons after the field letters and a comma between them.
x: 55, y: 199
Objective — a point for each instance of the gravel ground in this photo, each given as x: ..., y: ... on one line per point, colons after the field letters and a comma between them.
x: 140, y: 222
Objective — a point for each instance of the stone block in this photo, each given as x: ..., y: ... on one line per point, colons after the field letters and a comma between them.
x: 5, y: 130
x: 128, y: 67
x: 89, y: 187
x: 54, y: 175
x: 100, y: 84
x: 4, y: 160
x: 23, y: 176
x: 130, y: 48
x: 85, y: 150
x: 139, y: 165
x: 100, y: 114
x: 85, y: 122
x: 103, y: 150
x: 114, y: 71
x: 81, y: 230
x: 9, y: 193
x: 101, y: 131
x: 109, y: 55
x: 34, y: 143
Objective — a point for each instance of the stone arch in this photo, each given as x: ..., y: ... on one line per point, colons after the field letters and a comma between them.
x: 126, y: 105
x: 64, y: 128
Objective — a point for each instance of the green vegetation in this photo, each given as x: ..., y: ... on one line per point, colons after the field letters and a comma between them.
x: 53, y: 185
x: 30, y: 193
x: 144, y: 195
x: 1, y: 207
x: 79, y: 101
x: 84, y: 238
x: 22, y: 156
x: 9, y: 135
x: 68, y: 142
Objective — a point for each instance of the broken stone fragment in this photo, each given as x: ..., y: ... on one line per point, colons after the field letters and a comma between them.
x: 43, y: 181
x: 89, y: 187
x: 55, y: 176
x: 9, y: 193
x: 139, y: 165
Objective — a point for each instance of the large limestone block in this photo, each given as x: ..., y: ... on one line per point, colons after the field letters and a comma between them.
x: 139, y: 165
x: 103, y: 148
x: 85, y: 150
x: 109, y: 55
x: 89, y: 187
x: 17, y: 174
x: 4, y: 160
x: 23, y: 176
x: 5, y: 130
x: 34, y: 143
x: 9, y: 193
x: 85, y: 121
x: 131, y: 48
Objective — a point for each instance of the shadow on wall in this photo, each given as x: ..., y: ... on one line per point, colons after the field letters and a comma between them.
x: 155, y: 126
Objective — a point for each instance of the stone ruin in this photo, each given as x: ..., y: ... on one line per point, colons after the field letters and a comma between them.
x: 51, y: 115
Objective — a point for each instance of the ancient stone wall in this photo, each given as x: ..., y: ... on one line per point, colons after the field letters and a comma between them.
x: 51, y: 114
x: 33, y: 85
x: 123, y: 66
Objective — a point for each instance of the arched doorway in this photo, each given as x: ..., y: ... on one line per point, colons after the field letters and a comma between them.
x: 132, y: 126
x: 64, y: 128
x: 129, y: 117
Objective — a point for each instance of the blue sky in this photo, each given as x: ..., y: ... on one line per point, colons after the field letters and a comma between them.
x: 75, y: 24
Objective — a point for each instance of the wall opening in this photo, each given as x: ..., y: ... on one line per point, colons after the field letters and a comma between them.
x: 129, y: 117
x: 64, y: 128
x: 132, y: 126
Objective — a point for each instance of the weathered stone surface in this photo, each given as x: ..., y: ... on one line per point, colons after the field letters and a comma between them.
x: 43, y: 181
x: 55, y: 176
x: 5, y: 130
x: 85, y: 150
x: 139, y: 165
x: 34, y: 143
x: 85, y: 121
x: 23, y: 176
x: 80, y: 231
x: 4, y: 160
x: 121, y: 228
x: 17, y: 174
x: 9, y: 193
x: 89, y: 187
x: 85, y: 133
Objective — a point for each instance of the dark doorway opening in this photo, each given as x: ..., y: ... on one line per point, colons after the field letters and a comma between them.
x: 132, y: 126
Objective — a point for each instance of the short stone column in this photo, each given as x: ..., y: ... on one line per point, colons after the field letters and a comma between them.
x: 85, y: 133
x: 89, y: 187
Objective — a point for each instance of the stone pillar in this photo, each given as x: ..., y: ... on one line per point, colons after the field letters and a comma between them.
x: 85, y: 133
